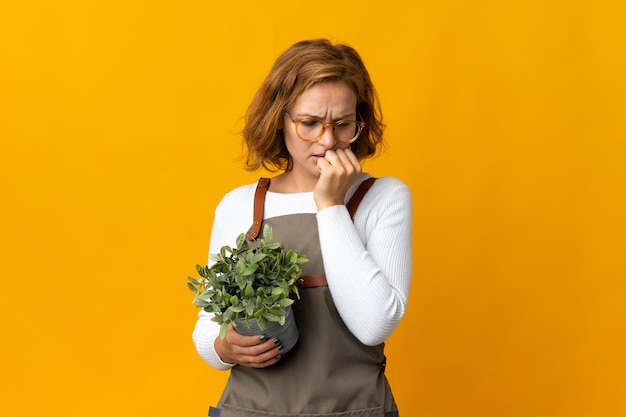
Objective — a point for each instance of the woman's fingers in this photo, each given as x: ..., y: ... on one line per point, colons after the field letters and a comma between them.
x: 338, y: 170
x: 341, y: 160
x: 250, y: 351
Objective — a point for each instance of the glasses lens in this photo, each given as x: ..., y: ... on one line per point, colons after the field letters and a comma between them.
x: 309, y: 129
x: 346, y: 130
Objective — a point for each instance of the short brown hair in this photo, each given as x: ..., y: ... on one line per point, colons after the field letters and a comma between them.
x: 300, y: 67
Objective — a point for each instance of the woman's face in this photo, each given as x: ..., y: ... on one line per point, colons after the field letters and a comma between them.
x: 329, y: 101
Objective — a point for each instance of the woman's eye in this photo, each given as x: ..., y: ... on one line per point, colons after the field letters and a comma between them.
x: 344, y: 125
x: 308, y: 122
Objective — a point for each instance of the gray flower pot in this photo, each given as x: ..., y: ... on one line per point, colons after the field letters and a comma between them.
x: 287, y: 333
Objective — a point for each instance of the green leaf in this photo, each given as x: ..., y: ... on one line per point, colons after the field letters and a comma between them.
x: 228, y: 314
x: 250, y: 269
x: 261, y: 322
x: 277, y: 311
x: 241, y: 241
x: 259, y: 312
x: 240, y: 281
x: 241, y: 267
x: 284, y: 302
x: 271, y: 246
x: 249, y: 292
x: 273, y: 299
x: 200, y: 303
x: 205, y: 295
x: 258, y: 257
x: 193, y: 281
x: 272, y: 317
x: 293, y: 270
x: 213, y: 308
x: 250, y: 308
x: 237, y: 308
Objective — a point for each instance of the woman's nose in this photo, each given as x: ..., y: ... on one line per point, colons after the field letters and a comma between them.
x: 328, y: 138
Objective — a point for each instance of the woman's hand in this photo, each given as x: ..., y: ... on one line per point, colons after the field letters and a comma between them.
x: 250, y: 351
x: 338, y: 170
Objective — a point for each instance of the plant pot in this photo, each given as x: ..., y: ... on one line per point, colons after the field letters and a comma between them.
x: 287, y: 333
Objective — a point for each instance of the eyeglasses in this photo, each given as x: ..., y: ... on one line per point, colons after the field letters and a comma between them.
x: 311, y: 129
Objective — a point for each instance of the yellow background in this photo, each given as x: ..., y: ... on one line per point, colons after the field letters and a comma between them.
x: 118, y: 124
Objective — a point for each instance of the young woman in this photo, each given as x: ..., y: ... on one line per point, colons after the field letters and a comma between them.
x: 314, y: 119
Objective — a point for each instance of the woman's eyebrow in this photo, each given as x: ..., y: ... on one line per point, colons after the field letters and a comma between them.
x: 312, y: 116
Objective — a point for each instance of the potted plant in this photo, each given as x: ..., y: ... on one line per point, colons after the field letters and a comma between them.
x: 251, y: 285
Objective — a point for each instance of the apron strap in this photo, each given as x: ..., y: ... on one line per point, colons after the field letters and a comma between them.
x: 311, y: 281
x: 358, y: 195
x: 259, y: 206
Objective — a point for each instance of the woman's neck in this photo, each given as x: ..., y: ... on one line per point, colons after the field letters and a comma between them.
x: 289, y: 182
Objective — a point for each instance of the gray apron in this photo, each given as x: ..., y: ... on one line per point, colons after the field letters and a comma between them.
x: 329, y: 372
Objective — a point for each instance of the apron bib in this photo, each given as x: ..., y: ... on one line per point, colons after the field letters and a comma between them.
x: 329, y: 372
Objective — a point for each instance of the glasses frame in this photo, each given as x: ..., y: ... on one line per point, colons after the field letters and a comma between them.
x: 360, y: 125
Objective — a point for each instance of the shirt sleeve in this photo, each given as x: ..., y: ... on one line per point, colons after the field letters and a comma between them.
x: 204, y: 335
x: 233, y: 216
x: 368, y: 261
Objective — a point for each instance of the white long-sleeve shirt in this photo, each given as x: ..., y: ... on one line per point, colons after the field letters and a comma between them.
x: 368, y: 261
